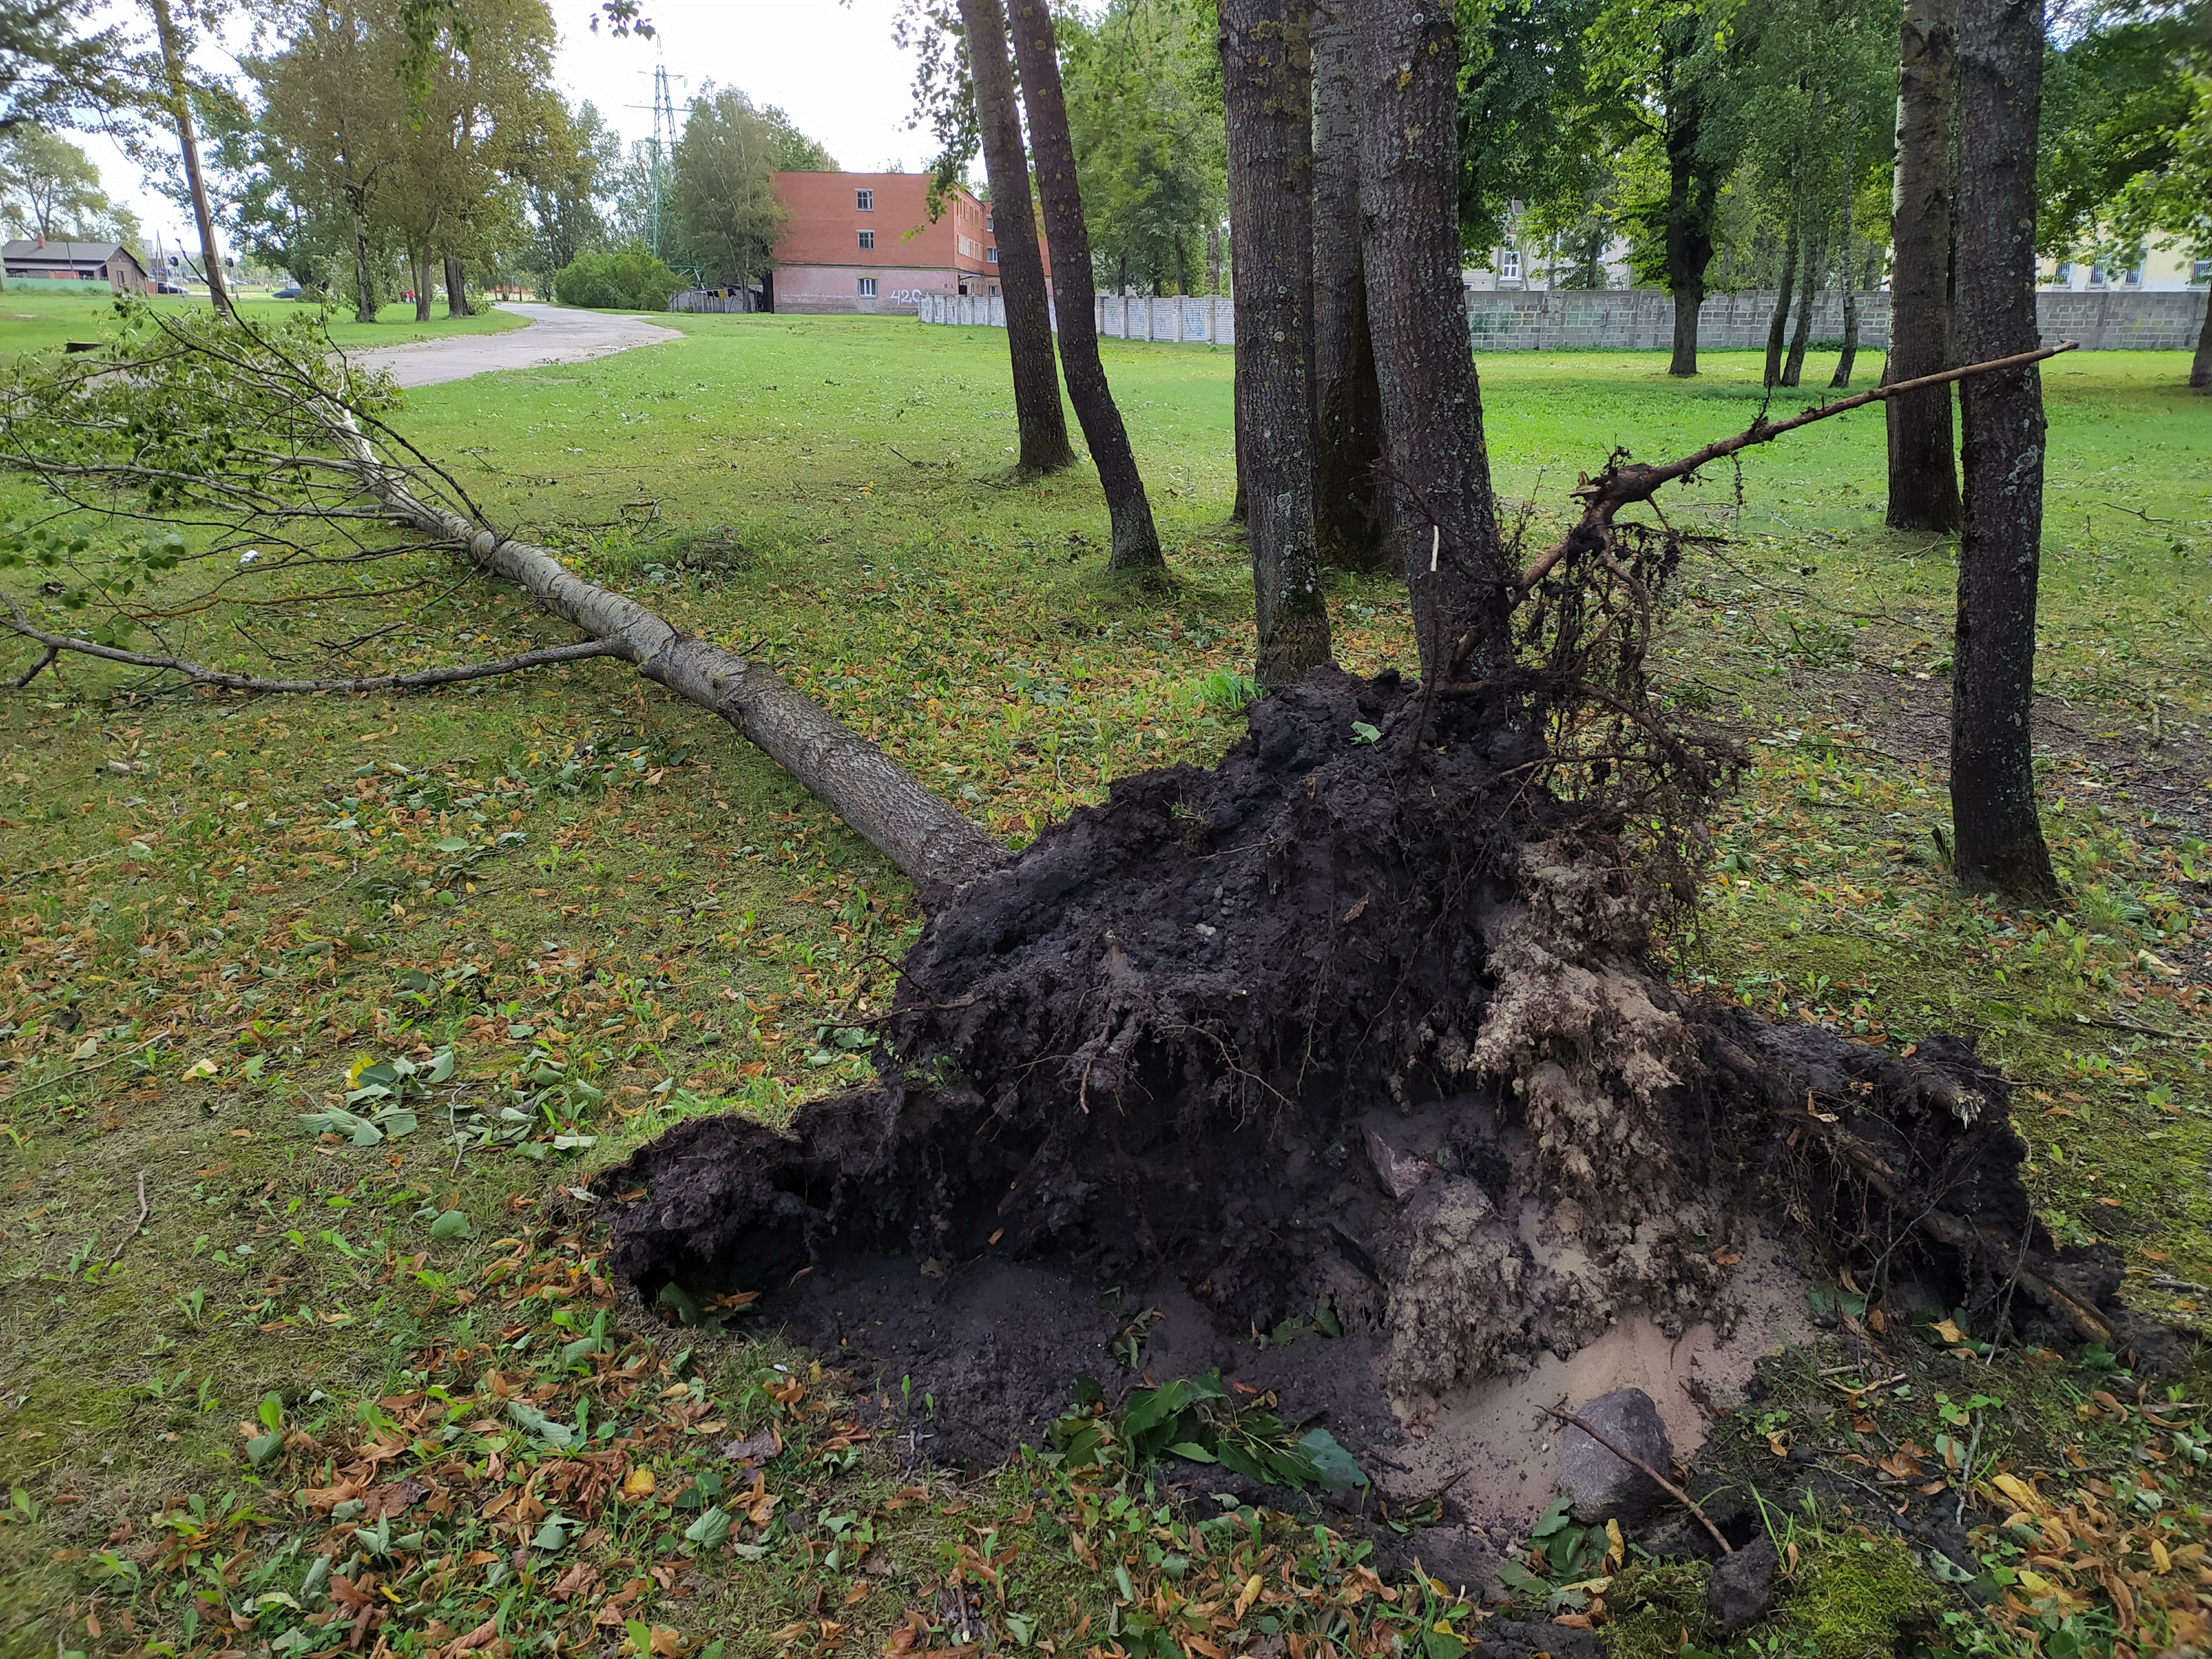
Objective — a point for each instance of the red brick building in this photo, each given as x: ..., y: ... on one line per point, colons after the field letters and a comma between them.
x: 864, y: 242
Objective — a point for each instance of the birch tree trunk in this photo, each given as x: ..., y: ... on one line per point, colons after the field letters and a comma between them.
x: 188, y: 145
x: 1999, y: 841
x: 1266, y: 79
x: 1441, y: 513
x: 1038, y: 415
x: 1809, y: 283
x: 1923, y: 482
x: 1036, y: 52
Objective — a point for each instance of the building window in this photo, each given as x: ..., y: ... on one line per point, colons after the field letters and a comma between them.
x: 2201, y: 272
x: 867, y: 241
x: 990, y: 256
x: 1509, y: 264
x: 2064, y: 276
x: 867, y: 288
x: 2134, y: 277
x: 2096, y: 276
x: 865, y: 200
x: 990, y: 219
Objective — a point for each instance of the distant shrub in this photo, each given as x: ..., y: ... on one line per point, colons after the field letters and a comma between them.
x: 629, y: 278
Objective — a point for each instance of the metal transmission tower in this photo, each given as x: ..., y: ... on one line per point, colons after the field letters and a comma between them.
x: 663, y: 153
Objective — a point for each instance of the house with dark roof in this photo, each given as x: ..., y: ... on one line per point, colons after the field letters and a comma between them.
x: 76, y: 262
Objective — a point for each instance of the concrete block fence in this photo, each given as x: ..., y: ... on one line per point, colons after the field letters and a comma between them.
x: 1642, y: 319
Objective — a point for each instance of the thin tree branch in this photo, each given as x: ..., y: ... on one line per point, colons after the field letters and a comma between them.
x: 1626, y: 485
x: 1627, y: 1456
x: 202, y: 674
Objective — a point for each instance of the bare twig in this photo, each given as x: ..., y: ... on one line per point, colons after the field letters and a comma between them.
x: 1627, y: 1456
x: 36, y: 668
x: 144, y: 1210
x: 202, y: 674
x: 96, y: 1066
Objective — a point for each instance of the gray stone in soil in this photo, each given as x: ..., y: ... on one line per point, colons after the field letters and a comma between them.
x: 1602, y: 1486
x: 1741, y: 1590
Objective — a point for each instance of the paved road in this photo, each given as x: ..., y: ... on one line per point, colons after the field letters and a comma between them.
x: 554, y: 335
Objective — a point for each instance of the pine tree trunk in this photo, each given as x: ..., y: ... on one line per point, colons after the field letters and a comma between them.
x: 188, y: 145
x: 1924, y: 483
x: 1136, y: 542
x: 457, y: 288
x: 1347, y: 414
x: 1999, y: 841
x: 1809, y: 293
x: 1038, y: 412
x: 1777, y: 325
x: 1442, y: 513
x: 1266, y: 78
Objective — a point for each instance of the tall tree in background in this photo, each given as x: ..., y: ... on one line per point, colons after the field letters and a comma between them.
x: 1923, y: 480
x: 1266, y: 79
x: 726, y: 208
x: 1348, y: 402
x: 52, y: 60
x: 1136, y: 542
x: 1442, y: 514
x: 337, y: 113
x: 1998, y: 838
x: 1039, y: 416
x: 179, y: 106
x: 566, y: 173
x: 48, y: 187
x: 1666, y: 70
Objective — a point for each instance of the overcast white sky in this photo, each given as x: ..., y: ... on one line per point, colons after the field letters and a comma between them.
x: 831, y: 67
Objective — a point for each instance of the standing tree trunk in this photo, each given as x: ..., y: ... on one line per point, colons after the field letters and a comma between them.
x: 1777, y: 325
x: 418, y: 262
x: 1038, y: 413
x: 1136, y: 542
x: 1348, y: 402
x: 1924, y: 483
x: 1999, y: 841
x: 1442, y: 513
x: 1267, y: 90
x: 457, y: 288
x: 1844, y: 275
x: 1810, y: 282
x: 364, y: 291
x: 2200, y: 366
x: 188, y: 145
x: 1213, y: 258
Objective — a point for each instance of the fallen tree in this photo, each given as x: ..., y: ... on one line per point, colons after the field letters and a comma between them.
x: 1362, y: 1019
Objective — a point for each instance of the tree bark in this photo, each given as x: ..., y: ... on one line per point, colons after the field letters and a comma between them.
x: 188, y: 144
x: 1347, y: 412
x: 1136, y: 542
x: 1777, y: 325
x: 1844, y: 274
x: 1924, y: 483
x: 1999, y: 841
x: 364, y: 294
x: 457, y: 288
x: 2200, y: 366
x: 1213, y: 258
x: 1809, y: 293
x: 1038, y: 413
x: 1692, y: 198
x: 1266, y: 82
x: 928, y: 840
x: 1440, y: 510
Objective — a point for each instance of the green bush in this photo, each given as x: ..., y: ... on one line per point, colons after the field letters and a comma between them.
x: 629, y: 278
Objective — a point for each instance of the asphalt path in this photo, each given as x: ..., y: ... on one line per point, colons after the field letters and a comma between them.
x: 554, y: 335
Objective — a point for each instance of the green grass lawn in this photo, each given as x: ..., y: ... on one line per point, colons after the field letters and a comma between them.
x: 34, y: 317
x: 612, y: 914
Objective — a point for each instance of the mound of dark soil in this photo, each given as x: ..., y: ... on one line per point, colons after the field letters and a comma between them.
x: 1357, y: 1022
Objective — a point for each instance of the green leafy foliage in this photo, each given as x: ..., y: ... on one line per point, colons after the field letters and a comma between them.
x: 627, y: 278
x: 1194, y: 1419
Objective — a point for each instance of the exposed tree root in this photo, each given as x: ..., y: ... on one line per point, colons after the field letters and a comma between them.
x: 1365, y: 1025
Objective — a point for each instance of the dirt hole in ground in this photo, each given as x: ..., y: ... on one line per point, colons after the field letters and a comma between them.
x: 1341, y: 1067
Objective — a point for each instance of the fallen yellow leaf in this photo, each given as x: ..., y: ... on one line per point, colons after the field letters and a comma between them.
x: 638, y: 1483
x: 1248, y: 1595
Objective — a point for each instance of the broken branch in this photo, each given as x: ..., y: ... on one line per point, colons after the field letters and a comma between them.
x: 201, y: 674
x: 1625, y: 485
